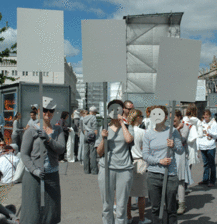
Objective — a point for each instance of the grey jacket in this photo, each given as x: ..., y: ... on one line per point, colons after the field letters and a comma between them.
x: 30, y: 148
x: 90, y: 123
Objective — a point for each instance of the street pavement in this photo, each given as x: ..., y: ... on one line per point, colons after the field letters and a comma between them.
x: 81, y: 202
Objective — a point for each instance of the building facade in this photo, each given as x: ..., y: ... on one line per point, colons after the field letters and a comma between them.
x: 67, y: 77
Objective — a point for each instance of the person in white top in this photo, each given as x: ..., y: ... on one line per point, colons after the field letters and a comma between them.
x: 196, y: 131
x: 139, y: 171
x: 208, y: 149
x: 147, y: 121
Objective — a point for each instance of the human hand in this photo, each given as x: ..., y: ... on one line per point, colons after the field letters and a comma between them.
x: 42, y: 134
x: 170, y: 143
x: 181, y: 125
x: 120, y: 119
x: 165, y: 161
x: 104, y: 133
x: 37, y: 172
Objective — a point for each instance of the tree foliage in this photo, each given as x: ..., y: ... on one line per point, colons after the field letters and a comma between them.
x: 6, y: 53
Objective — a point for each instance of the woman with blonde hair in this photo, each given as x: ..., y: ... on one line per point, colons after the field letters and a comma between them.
x: 139, y: 171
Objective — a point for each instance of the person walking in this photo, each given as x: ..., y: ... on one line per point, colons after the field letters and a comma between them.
x: 183, y: 169
x: 139, y: 186
x: 120, y: 166
x: 53, y: 140
x: 63, y: 124
x: 155, y: 143
x: 90, y: 133
x: 76, y: 124
x: 207, y: 147
x: 15, y: 137
x: 83, y: 113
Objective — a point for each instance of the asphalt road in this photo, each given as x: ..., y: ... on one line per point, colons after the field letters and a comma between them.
x: 81, y: 202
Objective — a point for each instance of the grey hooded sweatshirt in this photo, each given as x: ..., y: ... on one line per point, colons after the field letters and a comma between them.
x: 90, y: 123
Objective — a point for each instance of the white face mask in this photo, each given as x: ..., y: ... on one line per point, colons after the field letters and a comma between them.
x: 114, y: 110
x: 157, y: 115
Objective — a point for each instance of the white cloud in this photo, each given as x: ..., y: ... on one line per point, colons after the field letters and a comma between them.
x: 72, y: 6
x: 209, y: 49
x: 10, y: 36
x: 77, y: 67
x: 69, y: 50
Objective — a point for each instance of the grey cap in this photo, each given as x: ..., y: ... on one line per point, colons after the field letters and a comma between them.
x: 48, y: 103
x: 93, y: 109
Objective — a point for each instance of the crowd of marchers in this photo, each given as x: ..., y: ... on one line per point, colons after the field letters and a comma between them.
x: 137, y: 159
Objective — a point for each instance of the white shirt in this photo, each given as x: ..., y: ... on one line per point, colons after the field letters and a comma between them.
x: 204, y: 142
x: 138, y: 142
x: 8, y: 164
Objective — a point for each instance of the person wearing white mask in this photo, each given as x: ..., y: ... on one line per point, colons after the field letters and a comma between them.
x: 120, y: 166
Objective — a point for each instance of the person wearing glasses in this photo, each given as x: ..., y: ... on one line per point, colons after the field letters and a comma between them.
x: 128, y: 105
x: 53, y: 143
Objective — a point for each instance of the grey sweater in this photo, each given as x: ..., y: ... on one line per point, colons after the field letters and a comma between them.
x: 90, y: 123
x: 30, y: 148
x: 155, y: 149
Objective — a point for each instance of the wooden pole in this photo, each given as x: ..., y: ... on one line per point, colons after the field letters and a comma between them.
x: 166, y: 169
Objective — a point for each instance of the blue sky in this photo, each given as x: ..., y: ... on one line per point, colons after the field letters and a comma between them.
x: 198, y: 22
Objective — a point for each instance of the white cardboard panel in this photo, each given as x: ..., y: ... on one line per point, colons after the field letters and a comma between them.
x: 40, y: 40
x: 178, y: 66
x: 201, y: 90
x: 104, y: 50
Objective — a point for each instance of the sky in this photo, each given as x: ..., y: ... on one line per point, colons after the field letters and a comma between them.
x: 198, y: 21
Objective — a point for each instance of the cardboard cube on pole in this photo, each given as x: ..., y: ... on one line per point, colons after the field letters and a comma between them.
x: 104, y: 60
x: 177, y: 74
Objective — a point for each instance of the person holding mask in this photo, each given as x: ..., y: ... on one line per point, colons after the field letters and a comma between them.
x: 120, y: 166
x: 128, y: 105
x: 16, y: 139
x: 53, y: 143
x: 139, y: 172
x: 155, y: 143
x: 207, y: 147
x: 183, y: 170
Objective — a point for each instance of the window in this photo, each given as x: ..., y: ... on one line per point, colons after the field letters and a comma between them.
x: 33, y: 73
x: 47, y: 73
x: 36, y: 73
x: 3, y: 72
x: 43, y: 73
x: 12, y: 72
x: 26, y: 73
x: 23, y: 73
x: 15, y: 72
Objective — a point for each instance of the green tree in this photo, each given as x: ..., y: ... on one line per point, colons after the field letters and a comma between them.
x: 6, y: 53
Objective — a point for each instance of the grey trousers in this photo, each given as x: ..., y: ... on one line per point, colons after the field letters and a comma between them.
x: 90, y: 158
x: 121, y: 181
x: 155, y: 184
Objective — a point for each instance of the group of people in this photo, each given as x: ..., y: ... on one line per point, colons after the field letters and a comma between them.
x: 137, y: 158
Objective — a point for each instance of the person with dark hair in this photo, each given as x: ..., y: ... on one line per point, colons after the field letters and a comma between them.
x: 16, y: 139
x: 120, y: 166
x: 196, y: 131
x: 128, y: 105
x: 63, y: 124
x: 90, y: 133
x: 155, y: 144
x: 76, y: 124
x: 51, y: 138
x: 33, y: 120
x: 183, y: 170
x: 207, y: 147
